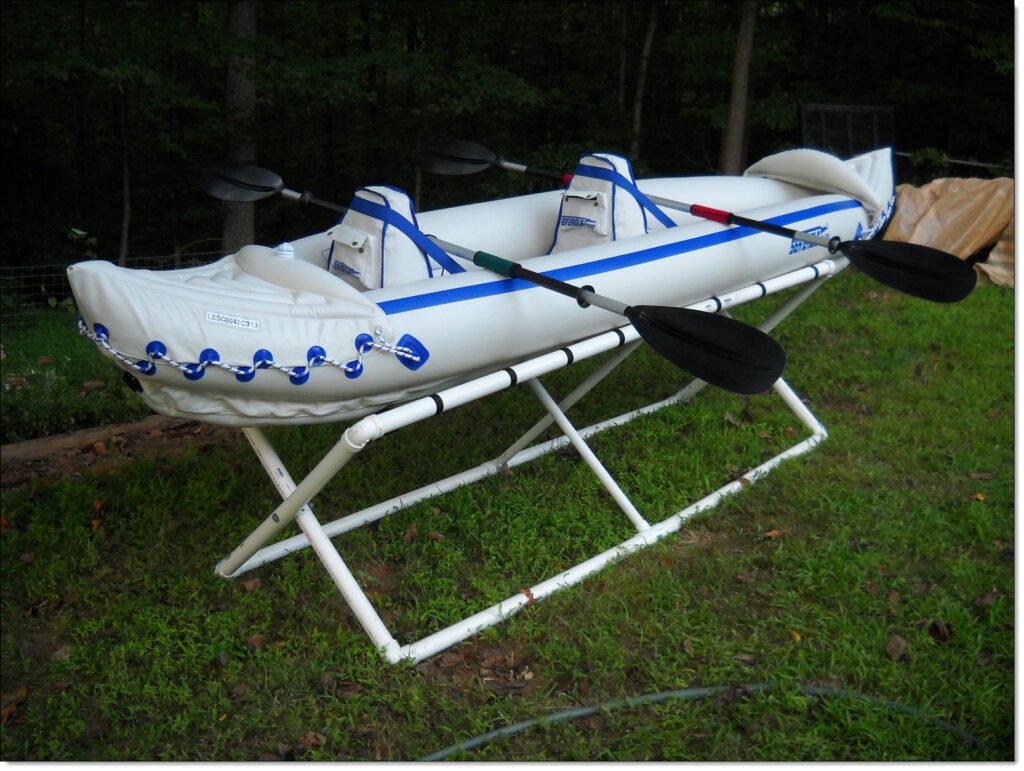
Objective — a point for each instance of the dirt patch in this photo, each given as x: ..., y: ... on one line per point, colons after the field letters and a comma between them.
x: 98, y: 450
x: 502, y: 668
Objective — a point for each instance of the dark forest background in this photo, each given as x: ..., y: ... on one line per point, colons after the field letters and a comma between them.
x: 112, y: 110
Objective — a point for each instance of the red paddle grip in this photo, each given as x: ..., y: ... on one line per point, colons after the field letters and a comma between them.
x: 715, y: 215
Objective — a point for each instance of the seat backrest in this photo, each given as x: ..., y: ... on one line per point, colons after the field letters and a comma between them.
x: 378, y: 242
x: 602, y: 203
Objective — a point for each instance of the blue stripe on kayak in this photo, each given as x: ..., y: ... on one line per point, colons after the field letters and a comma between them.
x: 607, y: 265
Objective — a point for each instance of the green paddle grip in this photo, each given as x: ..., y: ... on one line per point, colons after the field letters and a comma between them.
x: 494, y: 263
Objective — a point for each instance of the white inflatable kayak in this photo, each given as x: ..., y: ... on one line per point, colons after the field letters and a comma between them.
x: 342, y: 323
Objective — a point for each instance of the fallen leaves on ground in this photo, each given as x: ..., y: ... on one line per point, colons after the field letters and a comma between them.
x: 590, y: 722
x: 256, y: 642
x: 505, y: 671
x: 896, y: 648
x: 309, y: 740
x: 732, y: 695
x: 9, y: 702
x: 940, y: 631
x: 988, y: 598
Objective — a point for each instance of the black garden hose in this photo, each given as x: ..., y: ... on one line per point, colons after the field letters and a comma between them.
x: 691, y: 694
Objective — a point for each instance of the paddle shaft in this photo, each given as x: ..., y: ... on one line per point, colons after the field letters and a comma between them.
x: 309, y: 198
x: 583, y: 295
x: 704, y: 212
x: 728, y: 218
x: 533, y: 170
x: 920, y: 271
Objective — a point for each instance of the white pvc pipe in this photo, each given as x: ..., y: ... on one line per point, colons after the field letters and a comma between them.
x: 346, y: 583
x: 589, y: 457
x: 567, y: 403
x: 295, y: 500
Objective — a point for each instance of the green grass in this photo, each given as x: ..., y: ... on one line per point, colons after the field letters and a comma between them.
x: 54, y: 381
x: 129, y: 647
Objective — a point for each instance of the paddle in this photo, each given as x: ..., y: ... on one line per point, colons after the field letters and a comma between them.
x: 455, y: 157
x: 717, y: 349
x: 920, y: 271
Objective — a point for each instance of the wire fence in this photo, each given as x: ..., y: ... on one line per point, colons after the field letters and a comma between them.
x: 38, y: 318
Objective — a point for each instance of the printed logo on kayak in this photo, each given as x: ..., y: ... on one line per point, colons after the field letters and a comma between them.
x: 235, y: 322
x: 568, y: 221
x: 802, y: 246
x: 341, y: 267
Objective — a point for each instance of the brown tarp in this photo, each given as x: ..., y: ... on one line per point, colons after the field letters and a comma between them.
x: 962, y: 217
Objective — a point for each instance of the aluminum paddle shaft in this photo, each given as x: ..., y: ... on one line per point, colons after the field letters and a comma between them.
x: 717, y: 349
x: 919, y: 271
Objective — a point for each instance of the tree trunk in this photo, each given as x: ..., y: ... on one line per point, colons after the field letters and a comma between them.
x: 641, y: 81
x: 126, y: 191
x: 623, y: 55
x: 240, y: 103
x: 733, y: 151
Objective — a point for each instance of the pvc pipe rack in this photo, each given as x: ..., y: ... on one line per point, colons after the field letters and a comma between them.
x: 260, y: 547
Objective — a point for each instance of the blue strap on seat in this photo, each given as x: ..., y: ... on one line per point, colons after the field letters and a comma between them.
x: 390, y: 217
x: 610, y: 175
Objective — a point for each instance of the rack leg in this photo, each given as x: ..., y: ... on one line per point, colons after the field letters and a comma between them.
x: 589, y: 457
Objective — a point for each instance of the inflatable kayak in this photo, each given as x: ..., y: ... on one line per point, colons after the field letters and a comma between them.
x: 373, y: 312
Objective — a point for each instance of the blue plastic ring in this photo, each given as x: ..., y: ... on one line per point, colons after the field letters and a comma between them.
x: 353, y: 369
x: 316, y: 356
x: 364, y: 343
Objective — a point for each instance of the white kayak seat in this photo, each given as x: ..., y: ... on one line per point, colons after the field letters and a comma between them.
x: 378, y: 242
x: 603, y: 203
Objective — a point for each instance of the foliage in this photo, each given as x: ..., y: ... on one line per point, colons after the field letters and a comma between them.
x: 346, y: 89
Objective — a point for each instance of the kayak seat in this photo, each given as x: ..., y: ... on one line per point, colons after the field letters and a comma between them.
x: 603, y: 203
x: 378, y: 242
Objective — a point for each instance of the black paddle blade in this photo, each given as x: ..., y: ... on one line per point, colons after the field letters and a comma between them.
x: 920, y: 271
x: 718, y: 349
x: 453, y: 157
x: 238, y: 182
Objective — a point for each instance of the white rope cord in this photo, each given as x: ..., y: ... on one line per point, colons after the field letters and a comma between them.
x: 317, y: 356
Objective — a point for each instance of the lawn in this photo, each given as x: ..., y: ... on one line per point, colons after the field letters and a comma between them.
x: 857, y: 604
